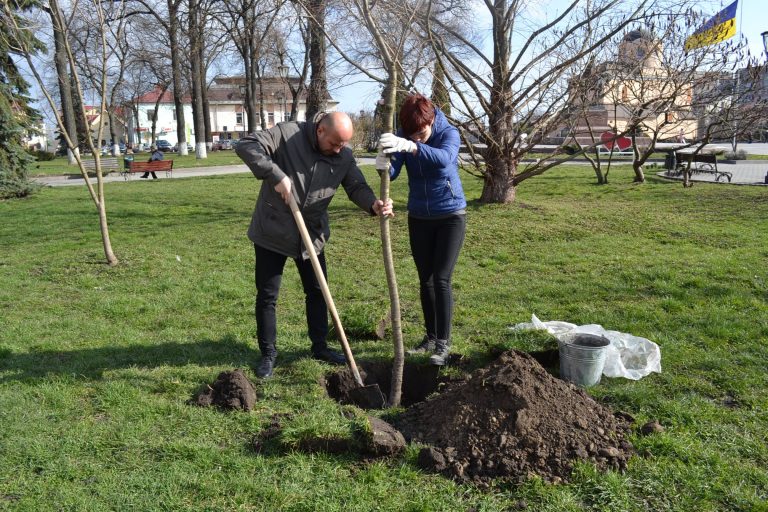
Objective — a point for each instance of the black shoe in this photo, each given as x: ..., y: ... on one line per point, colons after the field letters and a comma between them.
x: 442, y: 352
x: 265, y: 367
x: 426, y: 345
x: 329, y: 356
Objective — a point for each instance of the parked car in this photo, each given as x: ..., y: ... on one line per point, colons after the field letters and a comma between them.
x: 222, y: 144
x: 189, y: 148
x: 163, y: 145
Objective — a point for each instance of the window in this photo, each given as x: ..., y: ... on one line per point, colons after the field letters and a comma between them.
x: 174, y: 114
x: 150, y: 115
x: 271, y: 119
x: 238, y: 118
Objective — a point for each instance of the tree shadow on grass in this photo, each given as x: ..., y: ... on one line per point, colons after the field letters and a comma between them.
x: 91, y: 363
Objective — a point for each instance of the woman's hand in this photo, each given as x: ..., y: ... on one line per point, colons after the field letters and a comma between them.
x: 390, y: 143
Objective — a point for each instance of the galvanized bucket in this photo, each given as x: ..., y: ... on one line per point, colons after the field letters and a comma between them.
x: 582, y: 357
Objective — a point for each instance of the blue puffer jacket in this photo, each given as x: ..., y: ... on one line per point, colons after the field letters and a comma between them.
x: 434, y: 187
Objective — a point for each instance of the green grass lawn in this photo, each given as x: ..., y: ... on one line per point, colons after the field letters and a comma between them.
x: 59, y: 165
x: 97, y: 363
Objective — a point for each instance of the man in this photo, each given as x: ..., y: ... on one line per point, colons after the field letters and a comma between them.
x: 308, y: 160
x: 155, y: 156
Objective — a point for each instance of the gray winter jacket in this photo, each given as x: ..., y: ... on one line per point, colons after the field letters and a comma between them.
x: 290, y: 149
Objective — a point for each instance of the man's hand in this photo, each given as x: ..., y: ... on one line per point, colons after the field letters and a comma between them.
x: 284, y: 189
x: 391, y: 143
x: 382, y: 162
x: 383, y: 210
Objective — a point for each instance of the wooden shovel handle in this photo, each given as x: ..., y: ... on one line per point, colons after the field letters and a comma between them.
x: 324, y: 287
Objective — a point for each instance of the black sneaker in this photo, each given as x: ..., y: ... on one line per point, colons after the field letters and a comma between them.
x: 442, y: 352
x: 265, y: 367
x: 329, y: 356
x: 426, y: 345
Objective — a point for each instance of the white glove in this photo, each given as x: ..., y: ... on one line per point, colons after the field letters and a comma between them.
x: 382, y: 162
x: 390, y: 143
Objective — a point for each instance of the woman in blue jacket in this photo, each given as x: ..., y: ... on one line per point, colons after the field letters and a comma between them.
x: 428, y: 146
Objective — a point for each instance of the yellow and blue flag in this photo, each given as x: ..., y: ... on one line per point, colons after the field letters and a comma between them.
x: 718, y: 28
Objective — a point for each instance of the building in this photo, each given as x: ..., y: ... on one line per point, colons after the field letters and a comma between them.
x: 607, y: 97
x: 226, y: 100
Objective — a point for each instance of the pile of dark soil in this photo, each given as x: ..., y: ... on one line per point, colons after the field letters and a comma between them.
x: 512, y: 419
x: 231, y: 390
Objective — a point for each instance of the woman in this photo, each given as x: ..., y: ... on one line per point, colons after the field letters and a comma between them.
x: 429, y: 147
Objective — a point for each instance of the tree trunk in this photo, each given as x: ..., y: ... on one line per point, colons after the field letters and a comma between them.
x: 398, y: 360
x: 637, y: 164
x: 173, y: 36
x: 195, y: 41
x: 318, y: 82
x: 65, y: 89
x: 499, y: 178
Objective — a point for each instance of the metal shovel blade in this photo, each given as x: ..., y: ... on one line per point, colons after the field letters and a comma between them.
x: 368, y: 397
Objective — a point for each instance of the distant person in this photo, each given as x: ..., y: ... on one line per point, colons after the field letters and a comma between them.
x: 154, y: 157
x: 681, y: 137
x: 309, y: 161
x: 428, y: 146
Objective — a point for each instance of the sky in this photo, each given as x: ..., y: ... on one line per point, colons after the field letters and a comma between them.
x: 751, y: 21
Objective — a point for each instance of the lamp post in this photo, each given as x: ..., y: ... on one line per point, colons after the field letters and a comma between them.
x: 245, y: 116
x: 282, y: 70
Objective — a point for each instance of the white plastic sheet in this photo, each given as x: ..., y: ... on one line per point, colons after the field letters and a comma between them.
x: 627, y: 356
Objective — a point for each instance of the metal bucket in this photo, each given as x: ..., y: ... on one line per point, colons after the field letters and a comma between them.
x: 582, y: 357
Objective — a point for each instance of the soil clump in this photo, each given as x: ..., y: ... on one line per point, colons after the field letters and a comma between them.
x: 512, y: 419
x: 231, y: 391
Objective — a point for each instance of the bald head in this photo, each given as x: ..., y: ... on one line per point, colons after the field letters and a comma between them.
x: 334, y: 131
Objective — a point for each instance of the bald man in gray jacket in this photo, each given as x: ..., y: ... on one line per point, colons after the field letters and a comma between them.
x: 308, y: 160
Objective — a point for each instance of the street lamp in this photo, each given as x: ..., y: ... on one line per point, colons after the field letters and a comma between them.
x: 282, y: 70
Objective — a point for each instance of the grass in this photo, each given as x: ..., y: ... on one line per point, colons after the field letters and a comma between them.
x: 97, y: 363
x: 59, y: 165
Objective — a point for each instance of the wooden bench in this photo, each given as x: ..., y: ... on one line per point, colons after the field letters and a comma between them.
x: 107, y: 165
x: 703, y: 163
x: 156, y: 166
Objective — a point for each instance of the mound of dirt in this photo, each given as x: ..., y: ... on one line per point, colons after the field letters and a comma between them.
x: 231, y: 390
x: 512, y: 419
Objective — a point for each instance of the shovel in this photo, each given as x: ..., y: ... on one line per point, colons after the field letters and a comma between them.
x: 369, y: 397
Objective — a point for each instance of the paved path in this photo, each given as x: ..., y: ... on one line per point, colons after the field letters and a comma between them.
x: 745, y: 172
x: 751, y: 172
x: 72, y: 180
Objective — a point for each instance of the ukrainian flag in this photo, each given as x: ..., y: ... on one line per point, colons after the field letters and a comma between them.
x: 720, y: 27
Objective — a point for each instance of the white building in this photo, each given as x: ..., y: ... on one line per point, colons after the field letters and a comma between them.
x: 226, y: 100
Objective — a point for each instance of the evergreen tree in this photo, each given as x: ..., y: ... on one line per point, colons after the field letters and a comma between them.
x: 16, y: 115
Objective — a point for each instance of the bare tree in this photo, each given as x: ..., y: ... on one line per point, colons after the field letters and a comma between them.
x: 58, y: 17
x: 507, y: 90
x: 251, y: 23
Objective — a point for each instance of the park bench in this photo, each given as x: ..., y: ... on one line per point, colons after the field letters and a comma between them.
x: 156, y: 166
x: 602, y: 150
x: 702, y: 163
x: 107, y: 165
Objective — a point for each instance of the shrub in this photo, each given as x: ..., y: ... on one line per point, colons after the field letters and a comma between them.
x: 735, y: 155
x: 42, y: 156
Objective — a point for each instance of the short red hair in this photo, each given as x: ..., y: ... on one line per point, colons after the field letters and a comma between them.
x: 416, y: 113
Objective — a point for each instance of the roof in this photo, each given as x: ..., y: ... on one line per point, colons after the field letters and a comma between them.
x: 226, y: 89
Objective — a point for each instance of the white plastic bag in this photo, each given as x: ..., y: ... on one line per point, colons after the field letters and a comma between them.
x: 627, y: 356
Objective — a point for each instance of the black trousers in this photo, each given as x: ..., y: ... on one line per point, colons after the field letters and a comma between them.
x: 435, y: 246
x: 269, y: 273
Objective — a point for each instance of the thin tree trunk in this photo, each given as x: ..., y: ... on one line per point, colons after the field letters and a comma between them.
x: 398, y: 361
